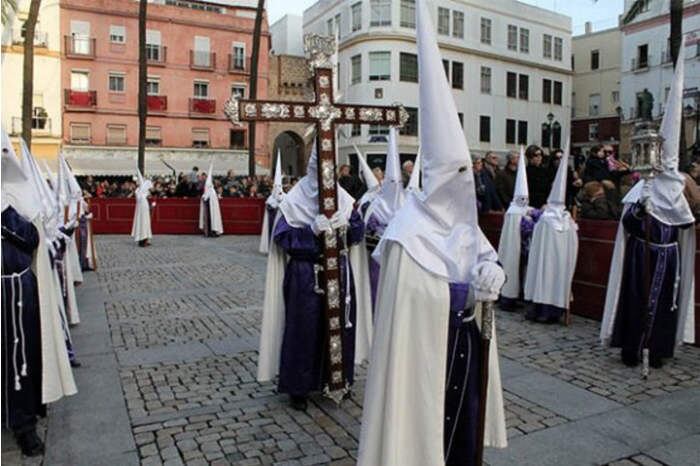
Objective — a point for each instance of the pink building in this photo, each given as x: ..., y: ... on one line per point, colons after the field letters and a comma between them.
x: 198, y: 54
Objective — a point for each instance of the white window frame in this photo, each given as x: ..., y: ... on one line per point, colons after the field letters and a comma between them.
x: 113, y: 127
x: 380, y: 77
x: 116, y: 75
x: 512, y: 37
x: 117, y: 34
x: 150, y: 81
x: 380, y: 13
x: 458, y: 24
x: 194, y: 89
x: 356, y: 16
x: 486, y: 30
x: 75, y: 124
x: 486, y: 79
x: 239, y: 86
x: 593, y: 131
x: 558, y: 49
x: 547, y: 46
x: 79, y: 88
x: 407, y: 17
x: 524, y: 37
x: 356, y: 60
x: 443, y: 21
x: 235, y: 46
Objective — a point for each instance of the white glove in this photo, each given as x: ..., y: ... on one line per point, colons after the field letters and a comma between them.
x: 70, y: 224
x: 338, y: 220
x: 89, y: 216
x: 321, y: 224
x: 487, y: 278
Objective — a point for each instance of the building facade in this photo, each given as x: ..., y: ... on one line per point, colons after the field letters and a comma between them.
x: 647, y: 63
x: 595, y: 100
x: 47, y: 107
x: 198, y: 55
x: 507, y: 62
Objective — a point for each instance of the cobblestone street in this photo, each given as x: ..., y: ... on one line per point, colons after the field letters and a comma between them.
x: 168, y: 344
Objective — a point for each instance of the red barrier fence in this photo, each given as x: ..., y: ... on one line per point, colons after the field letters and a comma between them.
x: 177, y: 216
x: 595, y: 248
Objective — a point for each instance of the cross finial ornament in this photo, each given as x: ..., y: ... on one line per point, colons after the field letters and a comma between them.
x: 325, y: 114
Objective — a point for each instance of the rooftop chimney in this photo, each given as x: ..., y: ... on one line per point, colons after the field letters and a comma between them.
x: 589, y: 27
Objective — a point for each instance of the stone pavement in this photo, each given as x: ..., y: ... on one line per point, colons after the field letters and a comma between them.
x: 168, y: 344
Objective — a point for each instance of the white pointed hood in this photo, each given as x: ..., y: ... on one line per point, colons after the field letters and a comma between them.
x: 17, y: 189
x: 41, y: 190
x: 277, y: 193
x: 521, y: 196
x: 73, y: 190
x: 300, y: 205
x: 144, y: 184
x: 439, y: 229
x: 370, y: 180
x: 414, y: 182
x: 209, y: 183
x: 669, y: 204
x: 555, y: 210
x: 391, y: 194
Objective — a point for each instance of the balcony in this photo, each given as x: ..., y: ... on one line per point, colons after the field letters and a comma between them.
x: 79, y: 47
x: 238, y: 64
x: 156, y: 55
x: 202, y: 106
x: 204, y: 61
x: 41, y: 125
x: 80, y: 100
x: 157, y: 103
x: 41, y: 39
x: 640, y: 64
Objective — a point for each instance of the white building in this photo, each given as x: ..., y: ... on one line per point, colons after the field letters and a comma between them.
x: 508, y: 63
x: 646, y: 58
x: 286, y: 36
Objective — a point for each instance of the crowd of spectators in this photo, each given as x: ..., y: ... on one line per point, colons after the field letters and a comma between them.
x: 184, y: 185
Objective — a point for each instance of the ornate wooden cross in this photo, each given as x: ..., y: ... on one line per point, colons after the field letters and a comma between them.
x: 325, y: 114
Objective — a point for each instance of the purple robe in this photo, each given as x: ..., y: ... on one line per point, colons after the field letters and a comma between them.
x: 303, y: 361
x: 271, y: 213
x: 663, y: 280
x: 84, y: 242
x: 462, y: 387
x: 21, y: 331
x: 57, y: 260
x: 373, y: 232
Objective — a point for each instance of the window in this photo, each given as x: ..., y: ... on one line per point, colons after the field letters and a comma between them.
x: 153, y: 48
x: 116, y: 135
x: 485, y: 31
x: 522, y: 132
x: 512, y: 37
x: 460, y: 116
x: 356, y: 16
x: 593, y: 132
x: 116, y: 82
x: 201, y: 55
x: 201, y: 89
x: 117, y: 34
x: 484, y: 128
x: 547, y: 46
x: 558, y: 49
x: 238, y: 56
x: 458, y: 24
x: 615, y: 97
x: 356, y: 130
x: 643, y: 56
x: 153, y: 86
x: 595, y: 59
x: 524, y: 40
x: 408, y: 14
x: 200, y: 137
x: 485, y: 80
x: 556, y: 134
x: 524, y: 87
x: 573, y: 105
x: 380, y: 12
x: 594, y: 104
x: 338, y: 25
x: 238, y: 90
x: 356, y: 69
x: 558, y: 92
x: 547, y: 91
x: 446, y: 65
x: 379, y: 66
x: 237, y: 139
x: 80, y: 133
x: 378, y: 130
x: 443, y: 21
x: 510, y: 131
x: 153, y: 136
x: 573, y: 62
x: 408, y: 67
x: 457, y: 75
x: 511, y: 84
x: 411, y: 126
x: 79, y: 81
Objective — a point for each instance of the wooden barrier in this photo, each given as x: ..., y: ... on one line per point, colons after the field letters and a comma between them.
x: 177, y: 216
x: 595, y: 249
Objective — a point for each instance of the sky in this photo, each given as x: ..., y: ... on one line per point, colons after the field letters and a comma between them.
x: 602, y: 13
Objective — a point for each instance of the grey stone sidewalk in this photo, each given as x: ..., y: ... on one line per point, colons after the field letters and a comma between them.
x: 168, y: 344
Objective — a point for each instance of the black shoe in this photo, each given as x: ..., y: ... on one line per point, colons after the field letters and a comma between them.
x: 75, y: 363
x: 656, y: 363
x: 30, y: 443
x: 299, y: 403
x: 630, y: 360
x: 348, y: 395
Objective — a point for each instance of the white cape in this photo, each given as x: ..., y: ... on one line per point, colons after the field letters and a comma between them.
x: 57, y: 376
x: 141, y: 228
x: 216, y: 224
x: 509, y: 254
x: 551, y: 264
x: 264, y: 247
x: 685, y: 331
x: 403, y: 414
x: 272, y: 328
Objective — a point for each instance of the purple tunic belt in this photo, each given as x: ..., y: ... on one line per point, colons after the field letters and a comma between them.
x: 303, y: 361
